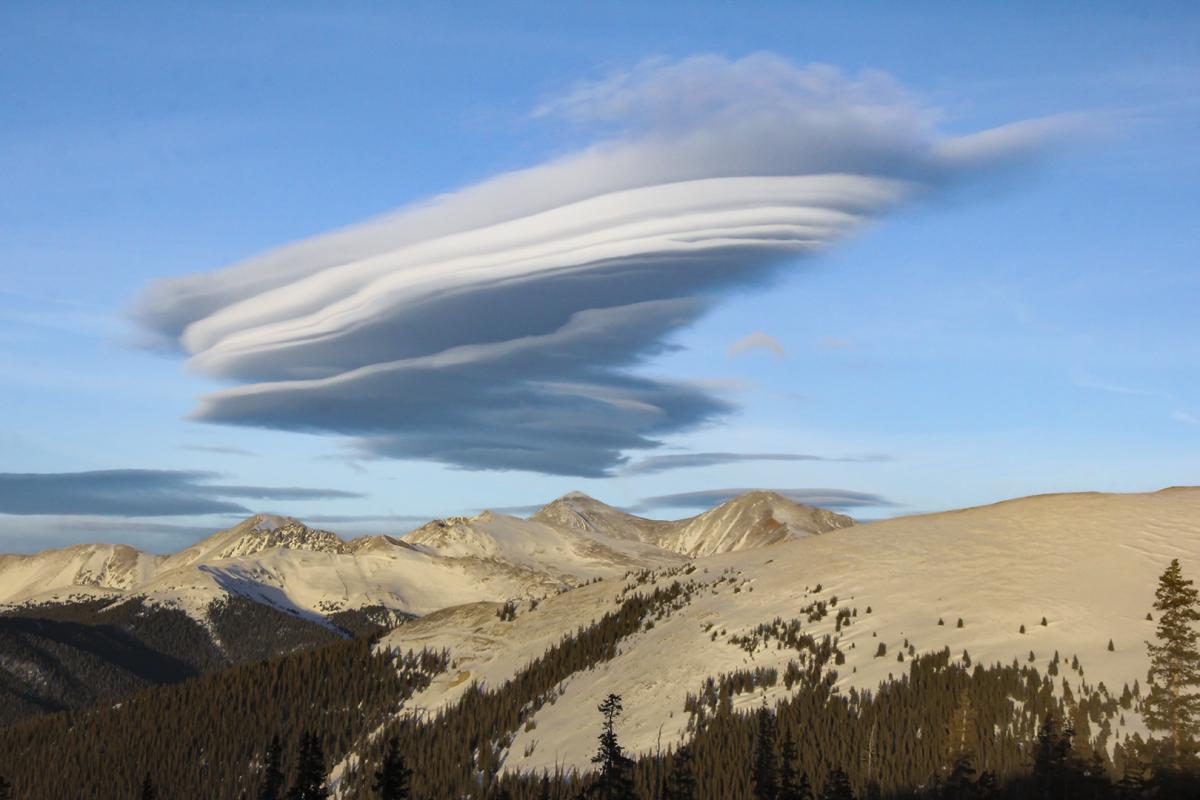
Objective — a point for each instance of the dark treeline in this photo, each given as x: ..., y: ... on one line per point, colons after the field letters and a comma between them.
x: 65, y: 656
x: 207, y: 737
x: 941, y: 728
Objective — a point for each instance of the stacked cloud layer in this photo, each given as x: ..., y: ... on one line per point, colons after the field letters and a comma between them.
x: 494, y: 328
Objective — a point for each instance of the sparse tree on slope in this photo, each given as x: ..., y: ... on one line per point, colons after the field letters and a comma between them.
x: 270, y: 786
x: 766, y: 768
x: 614, y: 782
x: 1173, y: 704
x: 392, y: 778
x: 310, y: 771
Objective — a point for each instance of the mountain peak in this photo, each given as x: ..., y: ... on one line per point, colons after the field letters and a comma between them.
x: 754, y: 518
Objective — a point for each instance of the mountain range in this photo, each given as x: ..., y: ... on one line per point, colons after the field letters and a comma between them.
x: 289, y: 585
x: 1038, y: 600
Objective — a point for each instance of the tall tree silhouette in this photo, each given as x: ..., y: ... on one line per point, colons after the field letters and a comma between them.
x: 270, y: 785
x: 393, y: 776
x: 1173, y: 705
x: 5, y: 789
x: 837, y: 786
x: 792, y: 785
x: 614, y: 781
x: 310, y: 771
x: 149, y: 791
x: 766, y: 767
x: 681, y: 782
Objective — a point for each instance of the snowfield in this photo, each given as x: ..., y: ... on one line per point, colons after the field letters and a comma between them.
x: 1087, y: 563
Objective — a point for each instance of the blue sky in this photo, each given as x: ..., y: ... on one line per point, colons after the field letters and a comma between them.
x: 1029, y: 326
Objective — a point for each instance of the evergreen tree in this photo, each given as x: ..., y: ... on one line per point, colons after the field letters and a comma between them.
x: 681, y: 782
x: 1133, y: 780
x: 614, y: 781
x: 987, y: 788
x: 1173, y: 705
x: 271, y: 783
x: 310, y: 771
x: 5, y: 789
x: 792, y: 785
x: 149, y: 792
x: 544, y: 791
x: 766, y: 769
x: 837, y: 787
x: 393, y: 776
x: 1052, y: 765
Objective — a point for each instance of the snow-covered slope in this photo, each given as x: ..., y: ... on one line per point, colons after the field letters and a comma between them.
x: 559, y: 551
x: 1086, y: 563
x: 754, y: 519
x: 579, y: 512
x: 81, y: 570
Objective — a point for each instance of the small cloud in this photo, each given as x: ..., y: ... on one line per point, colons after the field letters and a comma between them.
x: 1185, y: 418
x: 834, y: 343
x: 757, y: 341
x: 708, y: 498
x: 655, y: 464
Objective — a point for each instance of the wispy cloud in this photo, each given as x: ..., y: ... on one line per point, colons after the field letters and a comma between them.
x: 708, y: 498
x: 138, y: 493
x: 664, y: 463
x: 494, y: 327
x: 1089, y: 381
x: 217, y: 449
x: 1185, y: 417
x: 757, y: 341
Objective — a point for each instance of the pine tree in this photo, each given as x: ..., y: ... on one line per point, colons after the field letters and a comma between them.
x: 614, y: 781
x: 271, y: 783
x: 5, y: 789
x: 148, y: 792
x: 1173, y: 705
x: 837, y: 787
x: 1052, y: 763
x: 792, y: 785
x: 681, y: 782
x: 392, y: 778
x: 766, y: 769
x: 310, y: 771
x: 960, y: 748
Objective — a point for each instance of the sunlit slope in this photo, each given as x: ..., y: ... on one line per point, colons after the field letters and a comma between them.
x: 1087, y: 563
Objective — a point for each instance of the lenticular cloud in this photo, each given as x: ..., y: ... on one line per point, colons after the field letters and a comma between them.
x: 494, y: 327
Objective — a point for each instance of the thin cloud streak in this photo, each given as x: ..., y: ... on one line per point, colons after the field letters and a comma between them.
x: 655, y: 464
x: 757, y: 341
x: 708, y: 498
x: 139, y: 493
